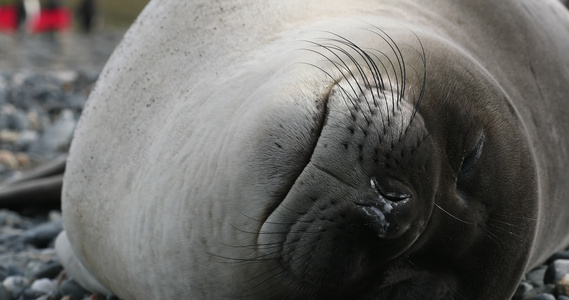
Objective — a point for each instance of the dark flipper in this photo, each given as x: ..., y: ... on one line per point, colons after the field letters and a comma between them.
x: 41, y: 186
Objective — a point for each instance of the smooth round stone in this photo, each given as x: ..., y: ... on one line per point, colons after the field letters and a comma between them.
x: 545, y: 289
x: 4, y: 88
x: 33, y: 267
x: 57, y: 136
x: 562, y: 297
x: 49, y: 270
x: 54, y: 216
x: 43, y: 234
x: 8, y: 136
x: 75, y: 101
x: 43, y: 88
x: 3, y: 273
x: 35, y: 120
x: 523, y: 289
x: 14, y: 270
x: 26, y: 138
x: 30, y: 294
x: 13, y: 283
x: 73, y: 290
x: 556, y: 270
x: 9, y: 218
x: 4, y: 294
x: 65, y: 76
x: 563, y: 286
x: 8, y: 158
x: 558, y: 255
x: 542, y: 297
x: 44, y: 285
x: 535, y: 276
x: 548, y: 288
x: 18, y: 121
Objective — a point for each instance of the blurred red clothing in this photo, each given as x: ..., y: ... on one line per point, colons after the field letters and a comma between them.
x: 8, y: 18
x: 55, y: 19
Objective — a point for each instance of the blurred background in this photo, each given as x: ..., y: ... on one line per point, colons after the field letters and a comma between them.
x: 106, y: 12
x: 51, y: 54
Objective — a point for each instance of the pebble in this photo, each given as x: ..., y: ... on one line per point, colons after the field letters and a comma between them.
x: 8, y: 158
x: 44, y: 285
x: 556, y: 270
x: 543, y: 297
x: 14, y: 270
x: 26, y: 138
x: 4, y: 294
x: 73, y: 290
x: 56, y: 137
x: 14, y: 283
x: 523, y: 289
x: 9, y: 218
x: 43, y: 234
x: 559, y: 255
x: 49, y: 270
x: 535, y: 276
x: 563, y: 285
x: 18, y: 121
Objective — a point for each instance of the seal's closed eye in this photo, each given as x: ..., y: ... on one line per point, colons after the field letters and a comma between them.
x: 469, y: 162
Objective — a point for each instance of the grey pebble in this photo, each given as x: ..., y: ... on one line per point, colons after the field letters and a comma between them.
x: 558, y: 255
x: 30, y: 294
x: 18, y: 121
x: 562, y: 297
x: 14, y: 270
x: 73, y: 290
x: 4, y: 294
x: 536, y: 275
x: 33, y: 267
x: 75, y: 101
x: 3, y: 273
x: 542, y: 297
x: 26, y: 138
x: 523, y: 289
x: 9, y: 218
x: 56, y: 137
x: 15, y: 285
x: 44, y: 285
x: 49, y: 270
x: 43, y: 234
x: 556, y: 270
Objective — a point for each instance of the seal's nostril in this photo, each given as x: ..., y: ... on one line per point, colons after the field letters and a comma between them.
x: 392, y: 196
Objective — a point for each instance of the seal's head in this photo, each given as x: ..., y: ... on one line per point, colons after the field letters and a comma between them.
x: 401, y: 184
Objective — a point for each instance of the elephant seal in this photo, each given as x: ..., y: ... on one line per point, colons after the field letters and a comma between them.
x: 323, y: 150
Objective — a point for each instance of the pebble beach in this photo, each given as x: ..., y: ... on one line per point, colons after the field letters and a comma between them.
x: 45, y: 81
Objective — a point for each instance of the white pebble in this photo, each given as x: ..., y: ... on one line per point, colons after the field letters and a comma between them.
x: 13, y: 282
x: 44, y: 285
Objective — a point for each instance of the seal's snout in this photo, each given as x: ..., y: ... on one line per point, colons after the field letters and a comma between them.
x: 387, y: 212
x: 363, y: 198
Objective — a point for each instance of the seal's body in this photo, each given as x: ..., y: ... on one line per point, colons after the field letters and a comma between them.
x: 323, y: 149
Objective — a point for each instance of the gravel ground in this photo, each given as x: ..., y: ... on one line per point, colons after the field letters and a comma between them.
x: 44, y: 83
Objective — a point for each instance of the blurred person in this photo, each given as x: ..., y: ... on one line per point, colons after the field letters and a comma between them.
x: 87, y: 13
x: 20, y: 13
